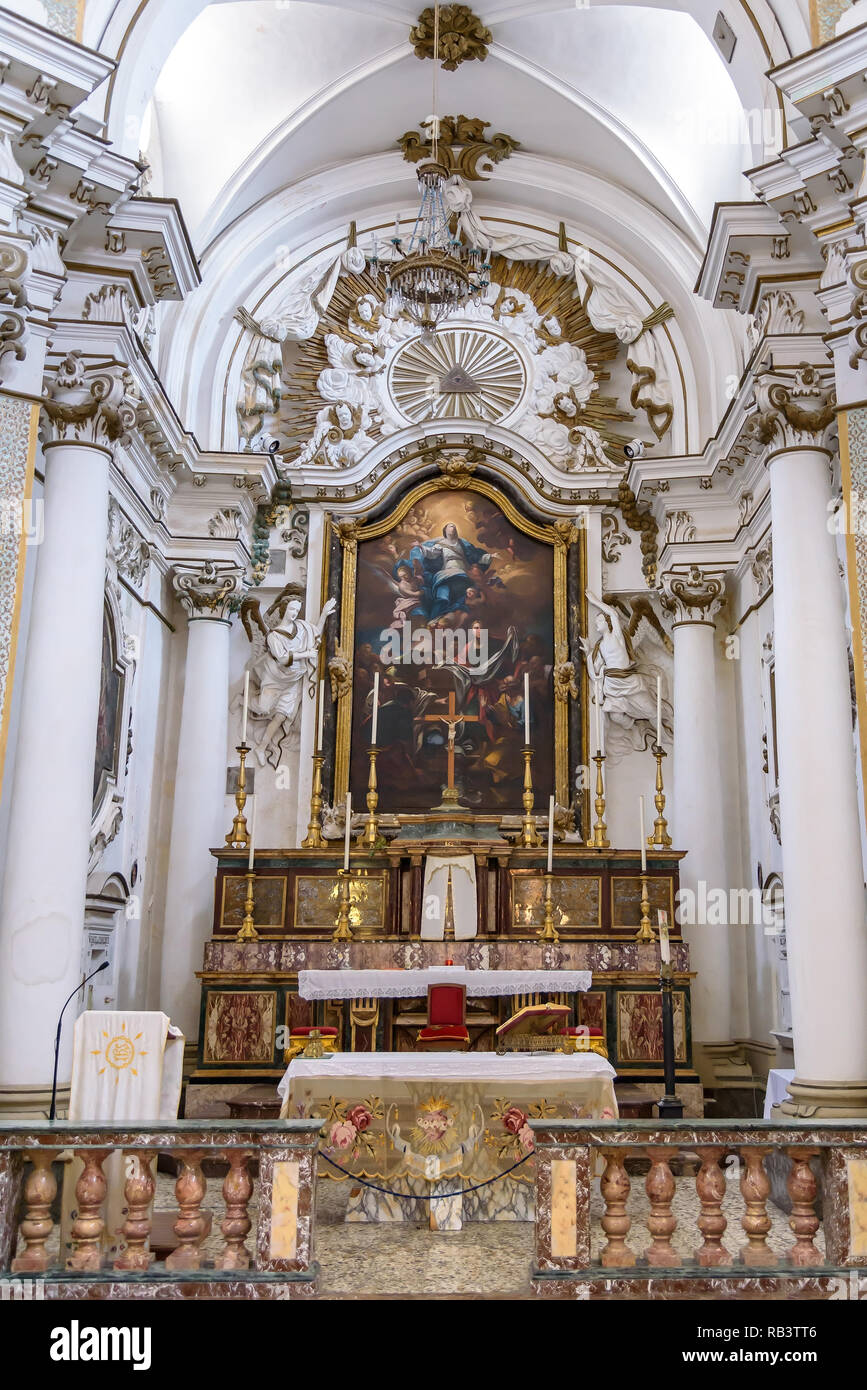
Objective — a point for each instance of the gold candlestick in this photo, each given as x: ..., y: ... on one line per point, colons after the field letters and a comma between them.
x: 660, y: 839
x: 549, y: 931
x: 314, y: 839
x: 599, y: 839
x: 342, y: 929
x: 239, y: 836
x: 370, y: 834
x: 248, y: 932
x: 645, y: 931
x: 529, y: 836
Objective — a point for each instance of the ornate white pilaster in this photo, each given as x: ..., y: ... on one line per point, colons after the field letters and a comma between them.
x: 693, y: 598
x: 42, y: 904
x: 823, y: 872
x: 208, y: 591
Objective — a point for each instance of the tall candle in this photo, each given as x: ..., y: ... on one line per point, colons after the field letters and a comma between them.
x: 252, y: 838
x: 375, y: 708
x: 641, y: 827
x: 527, y: 708
x: 659, y: 711
x: 348, y: 830
x: 246, y: 706
x: 321, y: 716
x: 601, y: 723
x: 550, y: 832
x: 664, y: 943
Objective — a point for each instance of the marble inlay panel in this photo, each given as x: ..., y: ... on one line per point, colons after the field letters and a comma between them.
x: 284, y: 1210
x: 564, y: 1230
x: 857, y: 1175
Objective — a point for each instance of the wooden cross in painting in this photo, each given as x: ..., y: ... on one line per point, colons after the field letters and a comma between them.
x: 452, y: 717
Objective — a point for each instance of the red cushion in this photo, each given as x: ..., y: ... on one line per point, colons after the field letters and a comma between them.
x: 314, y: 1028
x: 446, y: 1004
x: 443, y: 1030
x: 584, y: 1033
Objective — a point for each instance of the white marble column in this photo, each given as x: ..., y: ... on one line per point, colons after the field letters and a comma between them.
x: 823, y: 873
x: 206, y: 590
x: 693, y: 599
x: 51, y: 801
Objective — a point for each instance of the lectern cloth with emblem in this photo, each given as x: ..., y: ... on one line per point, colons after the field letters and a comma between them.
x: 126, y: 1066
x: 441, y: 874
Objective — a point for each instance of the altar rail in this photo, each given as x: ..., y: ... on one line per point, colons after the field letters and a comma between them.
x: 281, y: 1264
x: 576, y: 1259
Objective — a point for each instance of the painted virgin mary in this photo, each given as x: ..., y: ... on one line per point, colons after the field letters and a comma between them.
x: 443, y: 564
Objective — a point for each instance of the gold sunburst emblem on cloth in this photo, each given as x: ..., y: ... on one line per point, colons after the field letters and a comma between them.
x: 119, y: 1053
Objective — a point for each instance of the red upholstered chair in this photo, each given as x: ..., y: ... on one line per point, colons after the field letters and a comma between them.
x: 446, y: 1028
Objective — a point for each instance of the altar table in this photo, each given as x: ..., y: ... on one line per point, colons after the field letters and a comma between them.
x: 431, y: 1125
x: 413, y: 984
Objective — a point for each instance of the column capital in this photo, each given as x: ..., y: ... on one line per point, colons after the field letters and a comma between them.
x: 796, y: 406
x: 90, y: 405
x: 209, y: 588
x: 695, y: 594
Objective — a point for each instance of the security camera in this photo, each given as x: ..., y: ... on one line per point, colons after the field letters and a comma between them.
x: 274, y: 446
x: 634, y: 449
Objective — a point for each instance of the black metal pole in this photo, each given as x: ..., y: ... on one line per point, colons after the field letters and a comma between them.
x: 53, y: 1110
x: 669, y: 1107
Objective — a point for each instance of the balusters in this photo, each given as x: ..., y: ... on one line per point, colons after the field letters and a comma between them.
x: 661, y: 1223
x: 801, y: 1184
x: 190, y: 1226
x: 138, y: 1191
x: 40, y: 1190
x: 755, y: 1190
x: 710, y: 1185
x: 237, y: 1191
x: 614, y: 1187
x: 88, y: 1225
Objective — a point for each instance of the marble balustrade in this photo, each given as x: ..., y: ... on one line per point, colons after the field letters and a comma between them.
x: 723, y: 1253
x: 279, y: 1265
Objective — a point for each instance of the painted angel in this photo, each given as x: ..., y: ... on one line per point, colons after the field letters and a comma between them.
x: 285, y: 652
x: 619, y: 657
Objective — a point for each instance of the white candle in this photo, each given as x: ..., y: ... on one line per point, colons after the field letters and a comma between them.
x: 348, y: 830
x: 375, y: 708
x: 601, y: 723
x: 527, y: 708
x: 550, y: 832
x: 321, y: 716
x: 596, y: 714
x: 659, y: 711
x: 643, y: 842
x: 664, y: 943
x: 252, y: 837
x: 246, y: 706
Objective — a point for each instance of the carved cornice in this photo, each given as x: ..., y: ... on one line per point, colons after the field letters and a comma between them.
x: 796, y: 406
x: 695, y: 595
x: 94, y: 405
x: 209, y: 588
x: 462, y: 36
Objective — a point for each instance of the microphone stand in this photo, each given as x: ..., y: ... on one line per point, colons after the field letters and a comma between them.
x: 53, y: 1111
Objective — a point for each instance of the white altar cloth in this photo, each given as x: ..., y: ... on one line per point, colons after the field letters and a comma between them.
x: 413, y: 984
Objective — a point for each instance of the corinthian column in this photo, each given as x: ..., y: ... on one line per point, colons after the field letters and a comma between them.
x: 51, y: 798
x: 208, y: 592
x: 693, y: 598
x: 823, y: 873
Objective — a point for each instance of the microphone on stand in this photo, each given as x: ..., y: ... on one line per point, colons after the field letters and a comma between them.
x: 53, y: 1110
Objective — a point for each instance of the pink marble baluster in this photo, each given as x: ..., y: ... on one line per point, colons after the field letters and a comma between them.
x: 661, y: 1223
x: 138, y: 1190
x: 88, y: 1226
x: 190, y: 1187
x: 616, y: 1222
x: 801, y: 1184
x: 40, y: 1190
x: 237, y: 1191
x: 710, y: 1184
x: 755, y: 1190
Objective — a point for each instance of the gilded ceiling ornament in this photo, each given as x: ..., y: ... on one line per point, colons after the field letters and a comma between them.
x: 462, y: 146
x: 462, y: 36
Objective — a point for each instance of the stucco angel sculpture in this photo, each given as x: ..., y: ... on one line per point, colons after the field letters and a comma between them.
x: 627, y: 671
x: 285, y: 651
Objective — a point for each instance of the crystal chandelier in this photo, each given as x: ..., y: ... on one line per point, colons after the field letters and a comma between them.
x: 434, y: 274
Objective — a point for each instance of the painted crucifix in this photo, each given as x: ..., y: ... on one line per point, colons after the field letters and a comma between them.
x: 452, y: 718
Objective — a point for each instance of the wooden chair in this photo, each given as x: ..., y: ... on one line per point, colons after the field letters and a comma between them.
x: 446, y: 1027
